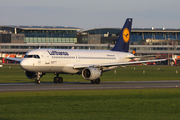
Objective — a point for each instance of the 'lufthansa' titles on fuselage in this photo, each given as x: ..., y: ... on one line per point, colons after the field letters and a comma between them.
x: 55, y: 52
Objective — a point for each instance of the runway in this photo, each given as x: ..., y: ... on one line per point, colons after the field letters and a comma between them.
x: 87, y: 86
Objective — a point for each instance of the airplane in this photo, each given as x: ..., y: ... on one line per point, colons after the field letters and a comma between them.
x: 90, y: 63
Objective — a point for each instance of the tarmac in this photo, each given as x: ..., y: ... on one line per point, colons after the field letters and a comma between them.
x: 13, y: 87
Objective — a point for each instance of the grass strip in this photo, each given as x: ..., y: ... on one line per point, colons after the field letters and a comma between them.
x: 14, y: 74
x: 91, y: 104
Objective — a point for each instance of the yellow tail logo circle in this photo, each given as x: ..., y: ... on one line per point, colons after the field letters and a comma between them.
x: 126, y: 35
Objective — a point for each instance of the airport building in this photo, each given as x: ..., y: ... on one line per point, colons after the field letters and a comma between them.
x: 151, y: 41
x: 38, y: 34
x: 139, y: 36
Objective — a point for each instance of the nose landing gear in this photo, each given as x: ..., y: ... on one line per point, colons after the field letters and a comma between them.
x: 37, y: 81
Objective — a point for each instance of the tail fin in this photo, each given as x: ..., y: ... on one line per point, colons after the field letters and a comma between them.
x: 122, y: 43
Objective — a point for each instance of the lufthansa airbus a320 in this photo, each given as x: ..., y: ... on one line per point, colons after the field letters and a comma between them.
x: 90, y: 63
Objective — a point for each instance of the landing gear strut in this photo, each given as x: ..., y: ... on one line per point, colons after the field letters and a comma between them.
x: 58, y: 79
x: 37, y: 81
x: 97, y: 81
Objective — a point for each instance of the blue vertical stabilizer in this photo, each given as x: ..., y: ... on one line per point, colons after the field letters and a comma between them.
x: 122, y: 43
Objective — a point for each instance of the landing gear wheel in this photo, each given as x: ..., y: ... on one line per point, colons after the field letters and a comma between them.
x: 60, y: 80
x: 97, y: 81
x: 92, y: 81
x: 55, y: 79
x: 38, y: 81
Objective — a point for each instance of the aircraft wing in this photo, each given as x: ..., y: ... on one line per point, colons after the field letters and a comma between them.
x: 13, y: 59
x: 80, y: 66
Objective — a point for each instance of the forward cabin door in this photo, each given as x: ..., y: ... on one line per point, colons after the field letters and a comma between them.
x: 47, y: 58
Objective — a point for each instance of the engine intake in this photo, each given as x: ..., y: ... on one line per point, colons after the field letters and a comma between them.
x: 31, y: 75
x: 91, y: 73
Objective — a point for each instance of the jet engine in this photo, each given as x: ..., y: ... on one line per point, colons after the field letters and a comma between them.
x: 91, y: 73
x: 32, y: 75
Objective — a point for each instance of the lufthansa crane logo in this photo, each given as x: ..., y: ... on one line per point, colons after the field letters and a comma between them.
x: 126, y: 35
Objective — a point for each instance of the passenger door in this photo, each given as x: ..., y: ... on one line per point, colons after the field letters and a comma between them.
x: 47, y: 58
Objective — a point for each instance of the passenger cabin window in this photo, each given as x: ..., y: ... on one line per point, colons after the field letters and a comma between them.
x: 32, y: 56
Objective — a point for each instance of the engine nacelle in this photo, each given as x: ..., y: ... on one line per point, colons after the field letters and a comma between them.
x: 31, y: 75
x: 91, y: 73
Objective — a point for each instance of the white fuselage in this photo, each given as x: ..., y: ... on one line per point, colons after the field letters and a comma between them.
x: 63, y: 60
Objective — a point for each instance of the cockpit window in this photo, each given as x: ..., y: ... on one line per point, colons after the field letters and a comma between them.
x: 36, y: 56
x: 32, y: 56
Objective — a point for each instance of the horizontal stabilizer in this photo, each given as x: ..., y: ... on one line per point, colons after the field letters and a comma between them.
x: 13, y: 59
x: 144, y: 56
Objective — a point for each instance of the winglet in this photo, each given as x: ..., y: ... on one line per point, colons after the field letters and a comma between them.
x: 122, y: 43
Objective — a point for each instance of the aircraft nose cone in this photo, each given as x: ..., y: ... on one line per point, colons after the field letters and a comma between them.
x: 23, y: 64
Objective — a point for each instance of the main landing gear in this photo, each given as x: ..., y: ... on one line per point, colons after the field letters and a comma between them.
x: 58, y: 79
x: 97, y: 81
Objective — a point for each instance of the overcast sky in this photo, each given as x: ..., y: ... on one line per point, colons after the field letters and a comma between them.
x: 88, y: 14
